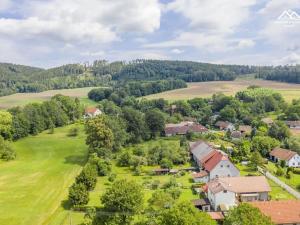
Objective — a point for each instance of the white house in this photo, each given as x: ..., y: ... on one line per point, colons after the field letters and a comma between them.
x: 212, y: 163
x: 226, y: 192
x: 92, y: 112
x: 292, y: 159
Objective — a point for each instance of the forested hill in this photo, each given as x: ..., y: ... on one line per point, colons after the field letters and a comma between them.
x: 185, y: 70
x: 16, y: 78
x: 290, y: 74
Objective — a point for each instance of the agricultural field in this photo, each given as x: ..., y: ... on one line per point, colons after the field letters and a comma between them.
x: 207, y: 89
x: 20, y: 99
x: 33, y: 185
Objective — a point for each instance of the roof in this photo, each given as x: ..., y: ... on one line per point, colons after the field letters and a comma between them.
x: 223, y: 124
x: 200, y: 149
x: 201, y: 174
x: 267, y: 120
x: 184, y: 127
x: 236, y: 134
x: 214, y: 160
x: 216, y: 215
x: 91, y: 110
x: 161, y: 170
x: 250, y: 184
x: 281, y: 212
x: 294, y: 123
x: 283, y: 154
x: 245, y: 128
x: 200, y: 202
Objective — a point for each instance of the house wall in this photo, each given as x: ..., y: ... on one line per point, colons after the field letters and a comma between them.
x: 225, y: 198
x: 224, y: 169
x: 294, y: 162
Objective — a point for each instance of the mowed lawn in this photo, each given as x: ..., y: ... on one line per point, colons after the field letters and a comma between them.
x: 21, y: 99
x: 33, y: 186
x: 207, y: 89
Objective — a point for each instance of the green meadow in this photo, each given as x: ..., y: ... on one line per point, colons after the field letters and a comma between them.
x: 33, y: 186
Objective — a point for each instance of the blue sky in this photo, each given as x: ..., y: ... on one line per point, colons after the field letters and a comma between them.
x: 48, y: 33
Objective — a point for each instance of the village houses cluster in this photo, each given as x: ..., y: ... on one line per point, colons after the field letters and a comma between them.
x: 222, y: 184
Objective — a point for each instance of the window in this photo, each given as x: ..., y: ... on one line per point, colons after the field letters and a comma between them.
x: 221, y: 166
x: 225, y: 191
x: 228, y: 166
x: 228, y: 175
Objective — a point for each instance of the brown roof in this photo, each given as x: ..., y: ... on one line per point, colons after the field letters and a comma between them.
x: 214, y: 160
x: 222, y: 124
x: 245, y: 128
x: 251, y: 184
x: 216, y: 215
x: 282, y: 154
x: 202, y: 173
x: 267, y: 120
x: 184, y: 127
x: 236, y: 134
x: 91, y: 110
x: 200, y: 202
x: 281, y: 212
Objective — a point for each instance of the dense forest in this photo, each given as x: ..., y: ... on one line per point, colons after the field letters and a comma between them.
x: 290, y: 74
x: 16, y: 78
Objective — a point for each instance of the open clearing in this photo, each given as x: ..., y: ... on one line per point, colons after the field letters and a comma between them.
x: 207, y: 89
x: 20, y: 99
x: 33, y: 186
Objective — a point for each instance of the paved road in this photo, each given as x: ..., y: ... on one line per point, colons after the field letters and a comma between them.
x: 280, y: 183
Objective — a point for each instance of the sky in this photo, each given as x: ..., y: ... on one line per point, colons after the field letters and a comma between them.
x: 48, y: 33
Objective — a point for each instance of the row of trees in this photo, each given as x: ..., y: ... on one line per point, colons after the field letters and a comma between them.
x: 289, y: 74
x: 136, y: 89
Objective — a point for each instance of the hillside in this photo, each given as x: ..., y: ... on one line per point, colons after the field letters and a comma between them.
x: 23, y: 79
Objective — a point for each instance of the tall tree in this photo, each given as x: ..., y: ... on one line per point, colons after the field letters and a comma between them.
x: 155, y: 121
x: 184, y: 213
x: 121, y: 201
x: 5, y: 124
x: 247, y: 215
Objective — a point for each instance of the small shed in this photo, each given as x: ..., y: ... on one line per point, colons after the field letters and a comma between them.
x: 161, y: 171
x: 202, y: 204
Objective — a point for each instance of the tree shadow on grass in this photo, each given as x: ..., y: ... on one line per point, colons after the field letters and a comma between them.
x: 76, y: 159
x: 66, y: 204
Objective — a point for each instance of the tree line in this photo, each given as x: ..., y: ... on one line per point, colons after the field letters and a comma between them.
x: 136, y: 89
x: 290, y: 74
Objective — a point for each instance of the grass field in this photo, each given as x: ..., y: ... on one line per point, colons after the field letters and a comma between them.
x: 33, y: 186
x: 207, y: 89
x: 20, y: 99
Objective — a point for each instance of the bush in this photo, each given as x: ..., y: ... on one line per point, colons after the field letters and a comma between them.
x: 104, y: 167
x: 112, y: 177
x: 88, y: 177
x: 73, y: 132
x: 155, y: 184
x: 166, y: 163
x: 279, y: 171
x: 78, y: 195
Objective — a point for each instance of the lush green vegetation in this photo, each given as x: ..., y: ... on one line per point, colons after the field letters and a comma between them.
x: 34, y: 184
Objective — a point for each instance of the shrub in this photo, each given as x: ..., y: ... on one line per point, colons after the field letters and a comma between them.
x: 155, y: 184
x: 112, y: 177
x: 73, y: 132
x: 78, y: 195
x: 279, y: 171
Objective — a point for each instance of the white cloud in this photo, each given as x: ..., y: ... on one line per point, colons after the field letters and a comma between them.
x: 74, y: 20
x: 214, y: 15
x: 291, y: 59
x: 245, y: 43
x: 177, y: 51
x: 5, y: 4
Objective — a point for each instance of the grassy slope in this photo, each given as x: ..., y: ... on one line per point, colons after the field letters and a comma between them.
x: 33, y: 186
x: 20, y: 99
x: 207, y: 89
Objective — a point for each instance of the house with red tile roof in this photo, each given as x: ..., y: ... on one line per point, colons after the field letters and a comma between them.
x: 291, y: 158
x: 282, y: 212
x: 183, y: 128
x: 226, y: 192
x: 212, y: 163
x: 92, y: 112
x: 225, y: 125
